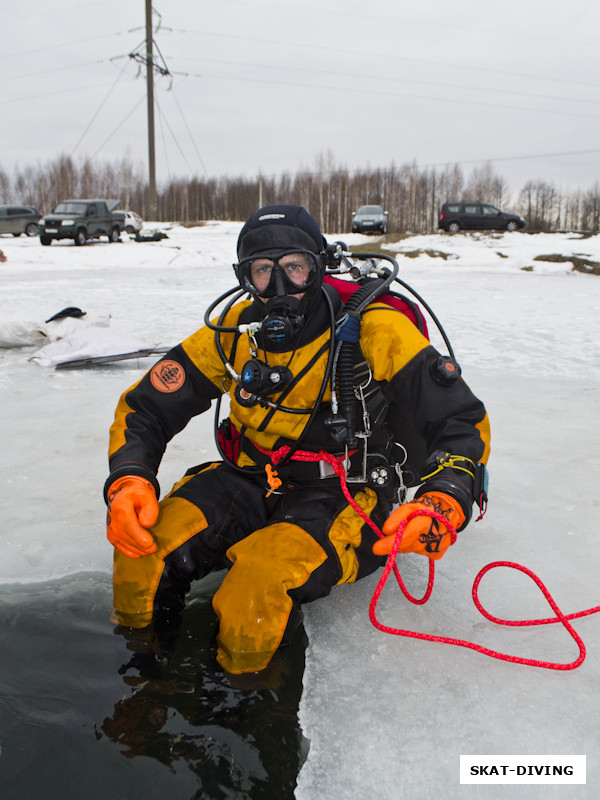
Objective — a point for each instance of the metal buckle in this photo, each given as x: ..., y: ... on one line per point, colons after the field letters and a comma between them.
x: 362, y: 477
x: 327, y: 471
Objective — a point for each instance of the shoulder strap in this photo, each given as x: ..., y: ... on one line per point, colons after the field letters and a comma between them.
x: 400, y: 302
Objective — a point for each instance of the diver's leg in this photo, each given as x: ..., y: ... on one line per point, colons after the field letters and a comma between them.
x: 313, y: 542
x: 204, y: 514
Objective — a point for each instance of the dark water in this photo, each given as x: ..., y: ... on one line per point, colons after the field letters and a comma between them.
x: 85, y: 714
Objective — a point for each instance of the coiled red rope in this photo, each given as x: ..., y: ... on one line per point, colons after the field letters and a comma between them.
x: 391, y: 565
x: 531, y: 662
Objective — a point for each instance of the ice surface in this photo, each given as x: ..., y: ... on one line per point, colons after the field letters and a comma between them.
x: 387, y: 717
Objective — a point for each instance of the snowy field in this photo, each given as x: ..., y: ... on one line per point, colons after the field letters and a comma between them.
x: 387, y: 717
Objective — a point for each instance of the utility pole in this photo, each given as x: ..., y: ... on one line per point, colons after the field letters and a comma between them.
x: 150, y: 94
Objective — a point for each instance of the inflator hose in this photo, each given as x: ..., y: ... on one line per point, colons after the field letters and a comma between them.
x: 346, y: 358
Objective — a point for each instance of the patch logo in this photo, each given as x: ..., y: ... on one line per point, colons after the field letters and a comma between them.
x: 167, y: 376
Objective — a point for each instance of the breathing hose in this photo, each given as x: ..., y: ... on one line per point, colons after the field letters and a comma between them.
x: 344, y: 376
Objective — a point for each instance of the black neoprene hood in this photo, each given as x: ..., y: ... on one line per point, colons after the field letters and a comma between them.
x: 279, y: 227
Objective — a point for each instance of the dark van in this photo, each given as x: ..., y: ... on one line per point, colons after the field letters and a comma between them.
x: 475, y: 216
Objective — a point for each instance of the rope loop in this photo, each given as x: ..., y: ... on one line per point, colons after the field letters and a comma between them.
x: 337, y: 465
x: 559, y: 616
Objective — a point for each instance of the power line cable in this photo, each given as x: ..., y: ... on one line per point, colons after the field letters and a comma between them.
x: 348, y: 89
x: 194, y: 145
x: 99, y: 109
x: 457, y: 163
x: 174, y: 138
x: 388, y: 78
x: 56, y: 69
x: 512, y: 158
x: 53, y: 10
x: 62, y: 46
x: 120, y: 125
x: 305, y: 47
x: 45, y: 95
x: 404, y: 95
x: 164, y: 140
x: 429, y: 23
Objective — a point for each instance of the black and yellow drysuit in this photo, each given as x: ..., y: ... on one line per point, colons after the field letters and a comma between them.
x: 291, y: 545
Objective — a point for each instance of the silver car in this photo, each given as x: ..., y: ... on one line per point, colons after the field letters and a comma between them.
x: 133, y: 223
x: 369, y: 219
x: 19, y: 219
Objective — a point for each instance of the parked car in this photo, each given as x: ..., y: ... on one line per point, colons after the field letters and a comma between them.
x: 82, y: 220
x: 19, y: 219
x: 476, y: 216
x: 132, y: 222
x: 369, y: 218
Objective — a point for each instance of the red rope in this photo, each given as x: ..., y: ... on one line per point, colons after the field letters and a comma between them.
x: 337, y: 465
x: 560, y: 617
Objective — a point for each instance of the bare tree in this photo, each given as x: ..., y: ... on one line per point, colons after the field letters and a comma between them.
x: 486, y: 186
x: 411, y: 195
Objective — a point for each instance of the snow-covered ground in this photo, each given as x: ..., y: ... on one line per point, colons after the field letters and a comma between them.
x: 386, y: 717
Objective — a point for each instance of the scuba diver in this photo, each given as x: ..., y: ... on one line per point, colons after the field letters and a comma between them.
x: 328, y: 379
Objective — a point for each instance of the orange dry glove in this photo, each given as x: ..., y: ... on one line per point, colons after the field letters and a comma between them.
x: 423, y: 534
x: 132, y: 507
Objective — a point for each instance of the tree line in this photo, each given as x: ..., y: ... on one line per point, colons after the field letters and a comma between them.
x: 412, y: 195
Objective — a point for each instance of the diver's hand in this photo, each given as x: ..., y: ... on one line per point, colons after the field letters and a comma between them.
x: 132, y: 507
x: 423, y: 534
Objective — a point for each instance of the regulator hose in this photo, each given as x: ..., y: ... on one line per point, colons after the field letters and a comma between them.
x: 344, y: 377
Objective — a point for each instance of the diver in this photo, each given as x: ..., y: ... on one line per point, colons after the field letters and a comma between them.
x: 308, y: 447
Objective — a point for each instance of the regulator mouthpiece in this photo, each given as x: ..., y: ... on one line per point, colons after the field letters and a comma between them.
x: 283, y: 319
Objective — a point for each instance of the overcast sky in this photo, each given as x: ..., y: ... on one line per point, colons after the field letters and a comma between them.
x: 267, y: 86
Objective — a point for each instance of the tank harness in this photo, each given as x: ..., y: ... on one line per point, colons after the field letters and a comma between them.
x: 351, y: 381
x: 359, y: 408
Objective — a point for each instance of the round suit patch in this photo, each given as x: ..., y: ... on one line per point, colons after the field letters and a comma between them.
x: 167, y: 376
